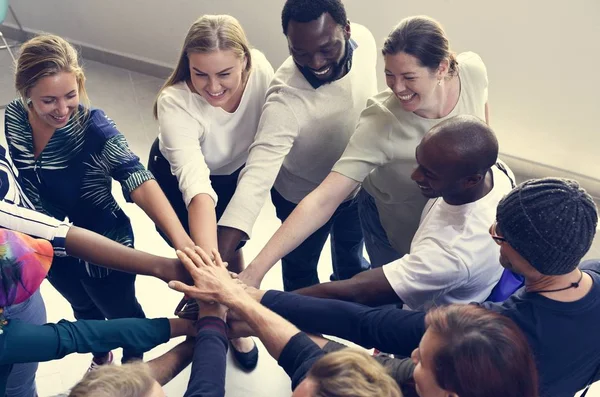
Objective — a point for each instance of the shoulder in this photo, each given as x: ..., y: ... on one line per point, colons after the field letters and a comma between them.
x: 592, y: 266
x: 289, y: 78
x: 99, y: 125
x: 471, y: 65
x: 15, y: 113
x: 260, y: 63
x: 177, y: 100
x: 362, y: 35
x: 381, y: 109
x: 176, y: 93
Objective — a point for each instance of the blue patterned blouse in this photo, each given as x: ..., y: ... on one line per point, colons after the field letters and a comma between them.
x: 72, y: 177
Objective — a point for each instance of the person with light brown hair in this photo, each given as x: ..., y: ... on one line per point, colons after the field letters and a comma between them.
x: 348, y: 372
x: 129, y: 380
x: 208, y: 112
x: 344, y: 373
x: 67, y: 155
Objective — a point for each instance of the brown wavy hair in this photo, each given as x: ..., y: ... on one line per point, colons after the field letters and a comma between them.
x: 483, y: 353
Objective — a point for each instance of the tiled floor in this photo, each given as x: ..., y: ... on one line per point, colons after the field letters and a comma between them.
x: 127, y: 98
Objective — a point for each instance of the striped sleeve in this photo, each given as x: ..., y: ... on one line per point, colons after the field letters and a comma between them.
x: 124, y: 165
x: 35, y: 224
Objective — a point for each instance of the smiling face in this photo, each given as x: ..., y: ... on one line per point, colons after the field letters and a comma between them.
x: 54, y: 99
x: 218, y: 77
x: 434, y: 173
x: 414, y: 85
x: 319, y: 46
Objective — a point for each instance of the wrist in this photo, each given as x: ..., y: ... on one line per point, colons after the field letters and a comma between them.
x: 256, y: 294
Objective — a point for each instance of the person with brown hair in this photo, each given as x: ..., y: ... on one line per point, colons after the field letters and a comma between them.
x: 468, y: 351
x: 345, y: 373
x: 427, y: 84
x: 67, y: 155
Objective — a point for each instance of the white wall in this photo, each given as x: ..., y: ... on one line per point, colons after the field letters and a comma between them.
x: 542, y: 56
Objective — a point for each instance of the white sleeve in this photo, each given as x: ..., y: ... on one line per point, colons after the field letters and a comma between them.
x: 277, y: 130
x: 180, y: 136
x: 35, y: 224
x: 429, y: 272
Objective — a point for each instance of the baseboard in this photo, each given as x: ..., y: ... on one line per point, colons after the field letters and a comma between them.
x: 125, y: 61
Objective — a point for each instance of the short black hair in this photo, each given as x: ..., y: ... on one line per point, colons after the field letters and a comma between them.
x: 309, y: 10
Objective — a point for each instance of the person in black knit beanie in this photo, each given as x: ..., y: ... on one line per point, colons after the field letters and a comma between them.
x: 550, y: 222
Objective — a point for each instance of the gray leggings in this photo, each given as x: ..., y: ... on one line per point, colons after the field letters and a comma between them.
x: 21, y: 381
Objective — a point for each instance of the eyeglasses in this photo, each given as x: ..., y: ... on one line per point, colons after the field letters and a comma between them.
x: 498, y: 239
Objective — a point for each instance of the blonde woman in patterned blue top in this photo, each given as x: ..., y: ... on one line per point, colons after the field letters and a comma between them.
x: 67, y: 155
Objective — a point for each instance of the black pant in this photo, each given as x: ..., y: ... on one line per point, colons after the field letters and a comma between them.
x: 91, y: 298
x: 223, y: 185
x: 299, y: 267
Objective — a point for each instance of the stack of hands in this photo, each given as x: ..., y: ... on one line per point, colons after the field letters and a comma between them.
x: 214, y: 291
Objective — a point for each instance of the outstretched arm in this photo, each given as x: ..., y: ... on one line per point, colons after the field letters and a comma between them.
x: 155, y: 204
x: 25, y: 342
x: 312, y: 213
x: 97, y: 249
x: 87, y: 245
x: 368, y: 288
x: 388, y: 329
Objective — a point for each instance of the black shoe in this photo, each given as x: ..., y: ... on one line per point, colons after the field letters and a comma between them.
x: 246, y: 361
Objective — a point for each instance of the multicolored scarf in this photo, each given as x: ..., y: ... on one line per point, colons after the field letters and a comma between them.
x: 24, y: 263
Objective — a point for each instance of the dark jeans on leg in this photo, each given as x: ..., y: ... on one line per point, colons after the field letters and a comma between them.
x: 223, y: 185
x: 299, y: 267
x: 91, y: 298
x: 378, y: 246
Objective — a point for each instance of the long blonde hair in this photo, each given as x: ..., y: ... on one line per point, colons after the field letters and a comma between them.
x: 351, y: 372
x: 209, y: 33
x: 129, y: 380
x: 47, y: 55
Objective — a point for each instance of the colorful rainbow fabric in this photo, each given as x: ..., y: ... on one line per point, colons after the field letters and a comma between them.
x: 24, y: 263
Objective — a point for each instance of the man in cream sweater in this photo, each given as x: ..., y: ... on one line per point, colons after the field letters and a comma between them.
x: 310, y: 113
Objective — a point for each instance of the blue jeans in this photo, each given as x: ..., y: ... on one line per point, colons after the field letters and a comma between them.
x: 378, y: 246
x: 299, y: 267
x: 21, y: 381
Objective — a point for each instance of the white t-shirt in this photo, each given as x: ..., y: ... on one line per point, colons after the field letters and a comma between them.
x: 452, y: 257
x: 200, y: 140
x: 302, y: 132
x: 381, y: 153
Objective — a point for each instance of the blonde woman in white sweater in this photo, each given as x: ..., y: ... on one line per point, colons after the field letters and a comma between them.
x: 208, y: 113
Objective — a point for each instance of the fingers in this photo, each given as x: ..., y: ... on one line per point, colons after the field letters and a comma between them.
x: 234, y: 276
x: 199, y: 256
x: 187, y: 262
x: 218, y: 259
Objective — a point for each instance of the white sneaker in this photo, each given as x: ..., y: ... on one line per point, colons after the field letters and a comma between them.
x: 94, y: 365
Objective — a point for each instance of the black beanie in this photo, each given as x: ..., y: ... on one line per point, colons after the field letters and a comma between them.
x: 550, y: 222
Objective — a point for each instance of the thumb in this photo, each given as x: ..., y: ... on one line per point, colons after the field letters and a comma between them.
x: 182, y: 287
